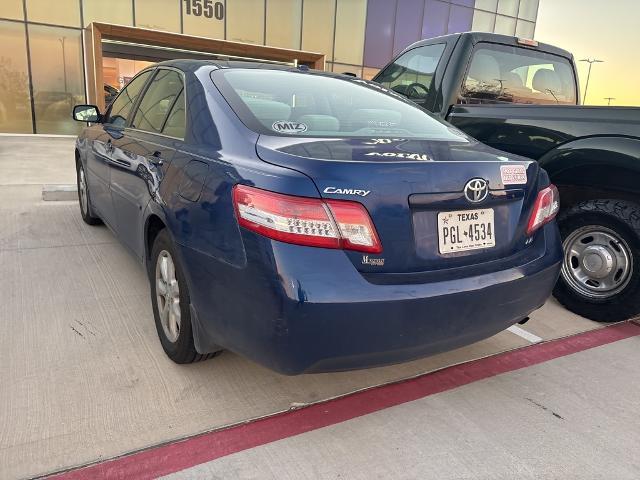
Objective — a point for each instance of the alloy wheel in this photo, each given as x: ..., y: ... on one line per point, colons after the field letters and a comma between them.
x: 82, y: 190
x: 168, y: 296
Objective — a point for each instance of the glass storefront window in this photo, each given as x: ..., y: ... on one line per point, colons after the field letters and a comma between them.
x: 119, y: 12
x: 12, y: 9
x: 368, y: 73
x: 318, y: 18
x: 15, y: 103
x: 342, y: 68
x: 528, y: 10
x: 505, y: 25
x: 483, y: 21
x: 436, y: 18
x: 158, y: 15
x: 58, y: 77
x: 460, y: 19
x: 508, y: 7
x: 60, y: 12
x: 284, y: 19
x: 525, y: 29
x: 245, y: 21
x: 203, y: 18
x: 488, y: 5
x: 349, y: 36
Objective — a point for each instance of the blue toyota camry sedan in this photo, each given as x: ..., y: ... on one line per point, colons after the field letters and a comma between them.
x: 312, y: 221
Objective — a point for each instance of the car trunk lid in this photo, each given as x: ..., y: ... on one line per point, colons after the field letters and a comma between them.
x: 405, y: 185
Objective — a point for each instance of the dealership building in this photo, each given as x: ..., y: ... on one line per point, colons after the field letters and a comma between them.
x: 54, y: 54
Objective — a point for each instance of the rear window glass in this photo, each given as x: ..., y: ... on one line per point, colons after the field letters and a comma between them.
x: 503, y: 74
x: 302, y: 104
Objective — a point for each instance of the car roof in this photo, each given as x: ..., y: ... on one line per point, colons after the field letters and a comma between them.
x: 192, y: 65
x: 476, y: 37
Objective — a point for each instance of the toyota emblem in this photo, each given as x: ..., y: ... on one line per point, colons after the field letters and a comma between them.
x: 476, y: 190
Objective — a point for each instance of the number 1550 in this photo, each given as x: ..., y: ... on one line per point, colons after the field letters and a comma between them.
x: 204, y: 7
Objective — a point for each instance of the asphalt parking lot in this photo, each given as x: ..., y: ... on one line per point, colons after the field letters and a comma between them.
x: 83, y: 377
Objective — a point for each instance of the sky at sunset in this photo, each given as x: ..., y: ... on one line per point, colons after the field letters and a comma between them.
x: 605, y: 29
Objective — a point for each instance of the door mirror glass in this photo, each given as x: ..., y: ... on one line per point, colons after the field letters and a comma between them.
x: 86, y: 113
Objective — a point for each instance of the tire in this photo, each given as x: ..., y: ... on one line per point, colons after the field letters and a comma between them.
x: 84, y: 198
x: 177, y: 342
x: 600, y: 277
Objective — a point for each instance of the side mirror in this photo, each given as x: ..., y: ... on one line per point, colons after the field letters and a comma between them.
x: 86, y: 113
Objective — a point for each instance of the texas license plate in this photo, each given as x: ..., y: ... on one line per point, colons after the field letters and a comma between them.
x: 465, y: 230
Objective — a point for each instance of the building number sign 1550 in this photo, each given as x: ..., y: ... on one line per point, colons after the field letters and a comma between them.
x: 208, y: 8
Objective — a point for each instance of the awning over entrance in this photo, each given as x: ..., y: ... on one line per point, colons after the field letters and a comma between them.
x: 99, y: 35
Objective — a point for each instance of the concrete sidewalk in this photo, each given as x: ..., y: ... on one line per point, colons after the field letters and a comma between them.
x: 571, y: 418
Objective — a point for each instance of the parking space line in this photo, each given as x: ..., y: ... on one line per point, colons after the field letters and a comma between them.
x: 521, y: 332
x: 182, y: 454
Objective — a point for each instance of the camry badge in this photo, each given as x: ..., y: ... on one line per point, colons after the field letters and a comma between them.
x: 347, y: 191
x: 476, y: 190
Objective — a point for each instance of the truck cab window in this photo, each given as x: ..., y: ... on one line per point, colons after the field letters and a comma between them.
x: 412, y: 73
x: 504, y: 74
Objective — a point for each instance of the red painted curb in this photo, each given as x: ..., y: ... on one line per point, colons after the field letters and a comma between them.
x: 173, y: 457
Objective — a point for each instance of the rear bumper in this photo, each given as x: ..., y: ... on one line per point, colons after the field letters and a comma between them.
x: 299, y: 309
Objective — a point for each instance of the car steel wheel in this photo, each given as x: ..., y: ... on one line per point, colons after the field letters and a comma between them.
x: 168, y: 296
x: 597, y: 262
x: 82, y: 190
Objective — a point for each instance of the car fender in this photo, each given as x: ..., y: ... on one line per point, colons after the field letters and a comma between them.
x: 609, y: 165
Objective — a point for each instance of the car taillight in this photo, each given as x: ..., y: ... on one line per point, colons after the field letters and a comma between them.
x: 545, y: 209
x: 306, y: 221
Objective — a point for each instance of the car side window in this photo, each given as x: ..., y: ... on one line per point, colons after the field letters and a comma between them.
x: 175, y: 125
x: 506, y: 74
x: 157, y: 101
x: 120, y: 109
x: 412, y: 74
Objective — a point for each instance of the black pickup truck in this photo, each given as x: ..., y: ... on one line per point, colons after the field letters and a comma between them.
x: 522, y: 97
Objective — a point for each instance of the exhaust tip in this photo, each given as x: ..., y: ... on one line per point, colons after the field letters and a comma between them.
x: 523, y: 321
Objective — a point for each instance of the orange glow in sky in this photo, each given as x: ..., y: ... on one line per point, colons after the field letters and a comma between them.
x: 608, y: 30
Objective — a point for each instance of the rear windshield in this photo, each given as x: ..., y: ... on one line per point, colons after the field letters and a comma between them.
x: 302, y: 104
x: 504, y: 74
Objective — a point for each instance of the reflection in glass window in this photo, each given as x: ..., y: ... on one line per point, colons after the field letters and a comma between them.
x: 525, y: 29
x: 119, y: 12
x: 505, y: 25
x: 349, y: 36
x: 501, y: 74
x: 483, y: 21
x: 317, y: 27
x: 412, y: 73
x: 158, y: 15
x: 60, y: 12
x: 176, y: 122
x: 12, y: 9
x: 269, y: 101
x: 15, y: 104
x: 157, y: 101
x: 58, y: 77
x: 245, y: 21
x: 284, y: 18
x: 204, y: 19
x: 508, y: 7
x: 118, y: 113
x: 528, y: 9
